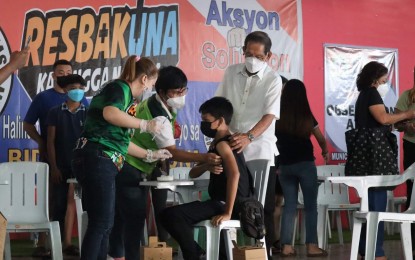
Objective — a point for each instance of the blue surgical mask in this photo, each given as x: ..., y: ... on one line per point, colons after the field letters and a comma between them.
x: 76, y: 95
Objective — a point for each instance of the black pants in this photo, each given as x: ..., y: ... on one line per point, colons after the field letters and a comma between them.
x: 130, y: 214
x: 179, y: 221
x: 269, y: 208
x: 408, y: 160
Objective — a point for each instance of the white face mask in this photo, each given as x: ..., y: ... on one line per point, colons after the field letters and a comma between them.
x: 383, y: 90
x: 147, y: 92
x: 253, y: 65
x: 177, y: 102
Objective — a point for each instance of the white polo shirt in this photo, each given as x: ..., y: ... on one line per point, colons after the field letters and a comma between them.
x: 252, y: 98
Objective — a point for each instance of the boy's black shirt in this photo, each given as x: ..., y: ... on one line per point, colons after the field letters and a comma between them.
x: 217, y: 184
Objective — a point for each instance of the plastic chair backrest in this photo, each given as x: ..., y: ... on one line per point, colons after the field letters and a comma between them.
x: 180, y: 173
x: 409, y: 174
x: 24, y: 199
x: 259, y: 170
x: 332, y: 193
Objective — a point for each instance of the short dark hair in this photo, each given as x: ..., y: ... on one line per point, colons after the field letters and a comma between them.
x: 170, y: 77
x: 259, y: 37
x: 61, y: 62
x: 70, y: 79
x: 284, y: 80
x: 369, y: 74
x: 218, y: 107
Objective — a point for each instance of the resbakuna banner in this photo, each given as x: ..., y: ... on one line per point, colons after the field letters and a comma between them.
x: 201, y: 37
x: 342, y: 65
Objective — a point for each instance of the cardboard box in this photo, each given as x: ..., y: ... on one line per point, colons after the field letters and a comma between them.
x: 156, y: 250
x: 3, y: 227
x: 248, y: 252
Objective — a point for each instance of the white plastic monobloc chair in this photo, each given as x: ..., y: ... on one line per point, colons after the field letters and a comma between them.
x: 335, y: 196
x: 24, y: 202
x: 260, y: 172
x: 394, y: 205
x: 362, y: 185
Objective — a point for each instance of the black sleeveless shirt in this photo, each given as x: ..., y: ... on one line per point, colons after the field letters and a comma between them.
x: 217, y: 184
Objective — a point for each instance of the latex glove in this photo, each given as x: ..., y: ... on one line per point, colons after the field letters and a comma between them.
x: 153, y: 126
x: 156, y: 155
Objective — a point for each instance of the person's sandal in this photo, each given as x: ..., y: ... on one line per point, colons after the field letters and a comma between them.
x: 276, y: 247
x: 290, y: 254
x: 41, y: 251
x: 71, y: 250
x: 322, y: 253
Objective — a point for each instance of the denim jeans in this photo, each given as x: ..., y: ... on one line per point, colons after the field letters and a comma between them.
x: 130, y: 214
x: 96, y: 174
x: 303, y: 174
x: 377, y: 202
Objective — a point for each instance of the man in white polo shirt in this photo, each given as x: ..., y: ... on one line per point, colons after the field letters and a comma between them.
x: 254, y: 90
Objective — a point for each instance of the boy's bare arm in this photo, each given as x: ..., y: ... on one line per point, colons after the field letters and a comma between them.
x: 198, y: 170
x: 232, y: 170
x: 184, y: 156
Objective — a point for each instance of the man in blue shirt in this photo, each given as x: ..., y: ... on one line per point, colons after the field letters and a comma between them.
x: 38, y: 110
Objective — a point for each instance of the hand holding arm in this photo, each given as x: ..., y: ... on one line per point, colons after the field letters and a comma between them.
x: 239, y: 141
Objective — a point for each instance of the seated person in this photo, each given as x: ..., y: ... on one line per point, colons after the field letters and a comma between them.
x: 229, y: 182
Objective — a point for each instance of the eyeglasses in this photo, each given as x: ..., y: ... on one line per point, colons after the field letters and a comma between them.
x: 180, y: 91
x: 259, y: 57
x: 381, y: 83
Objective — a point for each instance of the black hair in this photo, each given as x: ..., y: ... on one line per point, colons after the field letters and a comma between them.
x: 218, y: 107
x: 170, y: 77
x: 370, y: 73
x: 64, y: 81
x: 259, y: 37
x: 284, y: 80
x: 61, y: 62
x: 295, y: 115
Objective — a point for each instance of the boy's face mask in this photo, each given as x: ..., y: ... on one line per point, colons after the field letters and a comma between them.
x: 76, y: 95
x: 206, y: 129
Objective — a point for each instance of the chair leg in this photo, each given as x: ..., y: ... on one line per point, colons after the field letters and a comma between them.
x: 372, y: 223
x: 302, y: 229
x: 339, y: 226
x: 229, y: 245
x: 84, y: 226
x: 7, y: 251
x: 357, y: 229
x: 295, y: 228
x: 55, y: 241
x: 328, y: 224
x: 322, y: 225
x: 214, y: 244
x: 350, y: 219
x: 406, y: 240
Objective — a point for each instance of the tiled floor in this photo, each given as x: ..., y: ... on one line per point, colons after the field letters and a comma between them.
x: 393, y: 251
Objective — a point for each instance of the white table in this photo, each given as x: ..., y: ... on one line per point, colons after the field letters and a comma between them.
x: 185, y: 188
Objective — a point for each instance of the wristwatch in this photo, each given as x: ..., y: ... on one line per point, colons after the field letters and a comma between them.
x: 251, y: 137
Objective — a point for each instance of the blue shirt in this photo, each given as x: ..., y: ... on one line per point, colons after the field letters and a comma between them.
x: 41, y: 105
x: 68, y: 128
